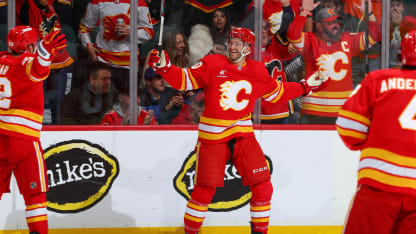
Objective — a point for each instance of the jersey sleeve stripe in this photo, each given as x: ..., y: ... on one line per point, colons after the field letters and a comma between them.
x: 355, y: 116
x: 84, y: 29
x: 322, y: 94
x: 188, y: 81
x: 31, y: 76
x: 275, y: 94
x: 351, y: 133
x: 352, y: 125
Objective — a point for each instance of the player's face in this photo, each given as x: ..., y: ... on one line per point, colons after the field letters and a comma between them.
x: 332, y: 30
x: 235, y: 46
x: 180, y: 44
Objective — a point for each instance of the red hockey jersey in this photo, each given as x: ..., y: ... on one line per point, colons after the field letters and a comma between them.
x: 379, y: 119
x: 114, y: 49
x: 230, y: 94
x: 332, y: 59
x: 275, y: 68
x: 21, y: 95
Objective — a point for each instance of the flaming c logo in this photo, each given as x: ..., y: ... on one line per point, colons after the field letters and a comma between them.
x: 109, y: 23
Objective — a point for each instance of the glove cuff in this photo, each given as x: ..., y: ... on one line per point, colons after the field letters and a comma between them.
x: 308, y: 90
x: 43, y: 53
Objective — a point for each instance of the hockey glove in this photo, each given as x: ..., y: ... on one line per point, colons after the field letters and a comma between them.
x: 51, y: 44
x: 314, y: 82
x: 159, y: 62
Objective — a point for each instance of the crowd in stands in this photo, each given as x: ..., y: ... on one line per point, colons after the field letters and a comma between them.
x: 89, y: 81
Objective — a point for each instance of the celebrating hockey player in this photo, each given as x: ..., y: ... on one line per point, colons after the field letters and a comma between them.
x: 379, y: 120
x: 21, y: 114
x: 231, y: 86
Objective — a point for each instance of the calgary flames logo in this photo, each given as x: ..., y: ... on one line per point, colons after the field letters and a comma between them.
x: 230, y: 90
x: 110, y: 23
x: 326, y: 64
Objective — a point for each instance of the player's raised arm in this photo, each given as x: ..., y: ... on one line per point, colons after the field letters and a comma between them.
x: 47, y: 49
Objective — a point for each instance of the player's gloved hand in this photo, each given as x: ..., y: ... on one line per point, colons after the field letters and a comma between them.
x: 159, y: 62
x: 315, y: 82
x: 51, y: 44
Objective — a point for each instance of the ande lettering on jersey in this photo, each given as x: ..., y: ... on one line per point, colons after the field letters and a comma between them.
x: 230, y: 197
x: 398, y: 84
x: 80, y: 175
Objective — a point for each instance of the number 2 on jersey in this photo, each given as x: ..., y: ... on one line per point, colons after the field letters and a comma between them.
x: 5, y: 93
x: 407, y: 118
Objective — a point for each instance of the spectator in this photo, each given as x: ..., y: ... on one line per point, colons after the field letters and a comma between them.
x: 88, y: 104
x: 330, y: 52
x: 41, y: 15
x: 112, y: 43
x: 409, y: 21
x: 165, y: 102
x: 354, y: 21
x: 396, y: 15
x: 21, y: 119
x: 119, y: 115
x: 211, y: 39
x: 378, y: 119
x: 191, y: 113
x: 279, y: 14
x: 273, y: 113
x: 220, y: 27
x: 176, y: 44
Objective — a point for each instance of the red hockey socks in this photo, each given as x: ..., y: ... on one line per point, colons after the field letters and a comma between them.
x: 36, y: 217
x: 260, y: 206
x: 197, y: 208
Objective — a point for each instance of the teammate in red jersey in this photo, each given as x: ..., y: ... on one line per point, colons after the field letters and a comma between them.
x: 378, y: 119
x: 231, y: 87
x: 330, y: 51
x: 21, y: 114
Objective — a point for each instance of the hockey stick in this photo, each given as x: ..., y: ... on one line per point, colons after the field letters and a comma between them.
x: 159, y: 45
x: 367, y: 38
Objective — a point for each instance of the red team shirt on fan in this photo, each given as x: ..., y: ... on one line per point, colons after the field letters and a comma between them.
x: 21, y: 96
x: 113, y: 118
x: 230, y: 94
x: 274, y: 66
x: 378, y: 119
x: 114, y: 49
x: 332, y: 59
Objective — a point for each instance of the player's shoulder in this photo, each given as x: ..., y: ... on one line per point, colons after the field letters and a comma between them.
x: 212, y: 60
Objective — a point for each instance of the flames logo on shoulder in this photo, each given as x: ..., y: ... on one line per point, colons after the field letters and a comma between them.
x: 80, y: 175
x: 230, y: 197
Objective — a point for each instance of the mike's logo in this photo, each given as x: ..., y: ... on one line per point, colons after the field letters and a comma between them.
x: 80, y: 175
x: 230, y: 197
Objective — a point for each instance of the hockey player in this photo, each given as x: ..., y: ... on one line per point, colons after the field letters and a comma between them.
x: 330, y: 51
x: 231, y: 86
x: 378, y: 119
x: 21, y: 110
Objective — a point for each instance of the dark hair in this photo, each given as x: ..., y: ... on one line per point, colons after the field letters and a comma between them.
x: 94, y: 67
x: 169, y: 43
x: 227, y: 28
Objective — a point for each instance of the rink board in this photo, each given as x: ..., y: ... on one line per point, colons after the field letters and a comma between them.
x: 314, y: 178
